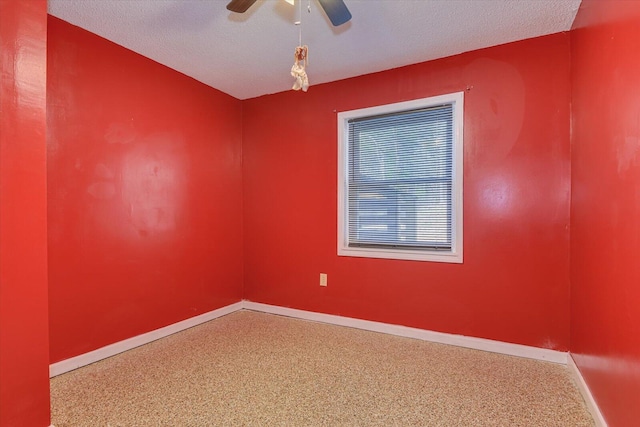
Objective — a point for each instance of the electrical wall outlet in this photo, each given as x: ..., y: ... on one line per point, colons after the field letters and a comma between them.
x: 323, y: 279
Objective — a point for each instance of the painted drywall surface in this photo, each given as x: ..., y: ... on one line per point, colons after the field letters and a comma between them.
x: 144, y: 194
x: 514, y: 283
x: 605, y: 208
x: 24, y: 346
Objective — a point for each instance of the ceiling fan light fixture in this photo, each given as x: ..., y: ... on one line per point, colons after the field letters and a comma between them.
x: 336, y: 10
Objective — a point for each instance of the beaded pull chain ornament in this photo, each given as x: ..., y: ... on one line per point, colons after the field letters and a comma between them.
x: 298, y: 69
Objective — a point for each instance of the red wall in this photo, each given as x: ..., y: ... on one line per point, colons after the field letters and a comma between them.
x: 605, y: 208
x: 145, y: 225
x: 514, y: 283
x: 24, y: 355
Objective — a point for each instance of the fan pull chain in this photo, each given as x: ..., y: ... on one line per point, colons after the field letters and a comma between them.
x: 299, y: 22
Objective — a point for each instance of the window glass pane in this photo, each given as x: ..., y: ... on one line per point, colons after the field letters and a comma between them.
x: 399, y: 180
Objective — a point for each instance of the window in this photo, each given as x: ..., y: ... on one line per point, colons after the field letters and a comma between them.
x: 400, y: 180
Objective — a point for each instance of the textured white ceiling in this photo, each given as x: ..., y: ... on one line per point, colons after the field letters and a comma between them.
x: 251, y: 54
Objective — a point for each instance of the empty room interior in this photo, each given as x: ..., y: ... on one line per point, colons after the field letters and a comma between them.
x: 459, y: 182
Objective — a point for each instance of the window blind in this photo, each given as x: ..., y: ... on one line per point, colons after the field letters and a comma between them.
x: 400, y: 179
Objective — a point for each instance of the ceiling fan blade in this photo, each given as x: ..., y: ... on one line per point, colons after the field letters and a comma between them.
x: 240, y: 6
x: 336, y: 10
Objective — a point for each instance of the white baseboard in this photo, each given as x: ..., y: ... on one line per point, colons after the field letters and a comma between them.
x: 72, y: 363
x: 121, y: 346
x: 592, y: 406
x: 421, y: 334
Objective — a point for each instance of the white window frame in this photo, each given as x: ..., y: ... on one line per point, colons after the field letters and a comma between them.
x: 452, y: 256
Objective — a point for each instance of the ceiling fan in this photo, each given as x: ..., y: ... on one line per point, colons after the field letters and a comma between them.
x: 336, y: 10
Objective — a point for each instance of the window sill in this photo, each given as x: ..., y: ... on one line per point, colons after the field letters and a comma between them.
x: 399, y: 254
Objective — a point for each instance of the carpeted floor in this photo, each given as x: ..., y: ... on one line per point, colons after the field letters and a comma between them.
x: 255, y: 369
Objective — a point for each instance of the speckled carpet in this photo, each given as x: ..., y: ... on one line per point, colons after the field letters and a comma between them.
x: 256, y: 369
